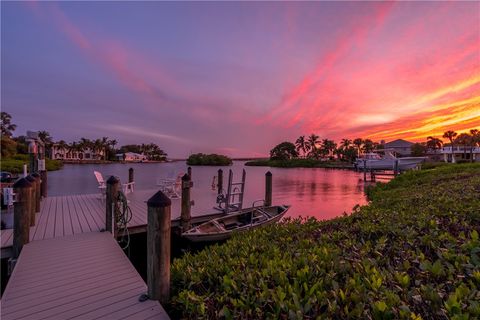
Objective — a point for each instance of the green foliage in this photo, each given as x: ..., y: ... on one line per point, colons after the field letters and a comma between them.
x: 412, y: 253
x: 284, y: 151
x: 418, y: 149
x: 200, y: 159
x: 299, y: 163
x: 15, y: 164
x: 8, y: 147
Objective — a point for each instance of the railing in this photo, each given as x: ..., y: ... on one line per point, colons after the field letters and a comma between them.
x: 461, y: 149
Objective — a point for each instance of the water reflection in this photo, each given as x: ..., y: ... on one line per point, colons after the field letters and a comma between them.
x: 321, y: 193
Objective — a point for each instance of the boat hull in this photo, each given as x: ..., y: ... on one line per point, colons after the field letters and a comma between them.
x: 193, y: 236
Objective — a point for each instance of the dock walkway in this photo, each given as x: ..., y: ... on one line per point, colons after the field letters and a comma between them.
x: 80, y: 276
x: 61, y: 216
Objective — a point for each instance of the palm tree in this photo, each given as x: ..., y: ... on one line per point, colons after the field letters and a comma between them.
x: 368, y: 146
x: 358, y: 143
x: 47, y: 140
x: 302, y: 145
x: 450, y: 135
x: 434, y: 143
x: 313, y: 143
x: 329, y: 146
x: 476, y: 136
x: 6, y: 124
x: 345, y: 143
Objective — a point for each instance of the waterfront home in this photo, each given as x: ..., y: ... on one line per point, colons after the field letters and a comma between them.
x: 59, y: 152
x: 401, y: 147
x: 131, y: 157
x: 460, y: 153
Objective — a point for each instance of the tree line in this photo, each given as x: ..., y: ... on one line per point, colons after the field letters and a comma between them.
x: 312, y: 147
x: 105, y: 147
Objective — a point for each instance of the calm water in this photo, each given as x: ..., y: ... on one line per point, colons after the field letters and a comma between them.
x: 321, y: 193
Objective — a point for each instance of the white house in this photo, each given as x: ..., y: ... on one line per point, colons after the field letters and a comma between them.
x: 460, y: 153
x: 59, y: 153
x: 131, y: 157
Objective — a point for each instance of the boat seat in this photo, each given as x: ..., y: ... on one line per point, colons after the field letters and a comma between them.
x: 232, y: 225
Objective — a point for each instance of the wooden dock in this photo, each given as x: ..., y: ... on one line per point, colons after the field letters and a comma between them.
x: 74, y: 214
x: 80, y: 276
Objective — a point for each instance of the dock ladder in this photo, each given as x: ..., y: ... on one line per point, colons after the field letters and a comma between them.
x: 233, y: 200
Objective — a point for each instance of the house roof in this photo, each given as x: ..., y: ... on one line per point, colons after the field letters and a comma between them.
x: 399, y: 143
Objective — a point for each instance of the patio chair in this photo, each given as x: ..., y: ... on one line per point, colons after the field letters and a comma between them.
x: 126, y: 187
x: 170, y: 186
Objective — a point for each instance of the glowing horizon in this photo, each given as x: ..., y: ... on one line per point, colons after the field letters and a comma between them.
x: 238, y: 78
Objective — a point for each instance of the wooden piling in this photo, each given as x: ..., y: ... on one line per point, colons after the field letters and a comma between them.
x: 268, y: 189
x: 32, y: 215
x: 395, y: 168
x: 185, y: 214
x: 38, y: 192
x: 364, y: 170
x: 372, y: 175
x: 44, y: 183
x: 113, y: 187
x: 130, y: 175
x: 220, y: 181
x: 158, y: 247
x: 189, y: 171
x: 21, y: 215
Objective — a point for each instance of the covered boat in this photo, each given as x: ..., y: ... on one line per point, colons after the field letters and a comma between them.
x: 221, y: 228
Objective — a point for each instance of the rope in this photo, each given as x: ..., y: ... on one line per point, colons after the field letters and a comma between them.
x: 123, y: 215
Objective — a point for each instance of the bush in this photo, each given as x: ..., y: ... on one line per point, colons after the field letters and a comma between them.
x: 200, y: 159
x: 413, y: 251
x: 15, y: 164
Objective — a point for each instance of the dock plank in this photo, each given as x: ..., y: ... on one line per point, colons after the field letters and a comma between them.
x: 106, y: 286
x: 74, y: 214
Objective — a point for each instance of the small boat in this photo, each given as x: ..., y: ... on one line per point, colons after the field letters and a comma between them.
x: 222, y: 228
x: 387, y: 162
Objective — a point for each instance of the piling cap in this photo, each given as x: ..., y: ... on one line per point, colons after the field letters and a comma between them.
x: 29, y: 178
x: 36, y: 175
x: 268, y: 173
x: 113, y: 180
x: 185, y: 177
x: 159, y: 200
x: 22, y: 183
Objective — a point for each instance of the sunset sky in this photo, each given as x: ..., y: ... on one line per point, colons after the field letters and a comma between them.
x: 238, y: 78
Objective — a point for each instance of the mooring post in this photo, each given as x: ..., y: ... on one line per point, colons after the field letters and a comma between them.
x: 42, y: 168
x: 364, y: 170
x: 372, y: 175
x: 33, y: 211
x: 395, y: 168
x: 185, y: 214
x: 38, y: 192
x: 21, y: 215
x: 220, y: 181
x: 130, y: 175
x: 158, y: 247
x: 113, y: 187
x: 189, y: 171
x: 268, y: 189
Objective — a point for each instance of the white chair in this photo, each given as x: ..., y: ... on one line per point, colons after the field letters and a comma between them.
x: 126, y: 187
x: 171, y: 186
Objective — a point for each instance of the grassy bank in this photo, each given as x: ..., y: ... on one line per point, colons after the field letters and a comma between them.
x: 299, y: 163
x: 412, y: 253
x: 15, y: 164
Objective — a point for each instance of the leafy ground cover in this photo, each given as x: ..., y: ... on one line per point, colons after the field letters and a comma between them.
x: 412, y: 253
x: 299, y: 163
x: 15, y: 164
